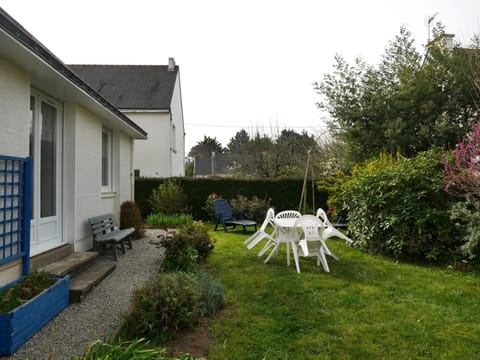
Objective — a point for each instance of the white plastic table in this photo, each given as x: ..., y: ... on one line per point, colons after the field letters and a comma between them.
x: 287, y: 234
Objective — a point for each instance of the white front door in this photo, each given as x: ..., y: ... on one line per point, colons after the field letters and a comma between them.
x: 46, y: 153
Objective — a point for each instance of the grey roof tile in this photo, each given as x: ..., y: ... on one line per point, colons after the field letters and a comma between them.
x: 148, y: 87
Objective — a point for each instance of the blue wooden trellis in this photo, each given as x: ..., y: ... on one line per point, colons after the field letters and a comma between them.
x: 15, y: 205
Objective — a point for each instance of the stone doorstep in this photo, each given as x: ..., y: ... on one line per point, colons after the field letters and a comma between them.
x: 84, y: 272
x: 81, y: 284
x: 71, y: 264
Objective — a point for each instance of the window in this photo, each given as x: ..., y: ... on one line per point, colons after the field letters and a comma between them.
x: 106, y: 160
x: 136, y: 172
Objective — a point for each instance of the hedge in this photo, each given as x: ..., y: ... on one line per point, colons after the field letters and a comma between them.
x: 284, y: 194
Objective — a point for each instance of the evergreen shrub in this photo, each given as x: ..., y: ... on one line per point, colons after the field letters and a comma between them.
x: 397, y: 207
x: 168, y: 198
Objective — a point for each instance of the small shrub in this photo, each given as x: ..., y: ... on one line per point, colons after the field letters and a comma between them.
x: 164, y: 305
x: 180, y: 253
x: 20, y: 292
x: 130, y: 216
x: 198, y: 234
x: 208, y: 207
x: 466, y: 215
x: 212, y: 293
x: 253, y: 208
x: 168, y: 198
x: 163, y: 221
x: 189, y: 245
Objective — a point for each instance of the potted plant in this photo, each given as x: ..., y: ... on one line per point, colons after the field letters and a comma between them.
x: 27, y: 305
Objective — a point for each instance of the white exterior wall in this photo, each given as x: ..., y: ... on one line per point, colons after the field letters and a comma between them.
x: 178, y: 152
x: 81, y: 156
x: 89, y: 199
x: 125, y: 169
x: 14, y: 109
x: 152, y: 156
x: 162, y: 154
x: 14, y: 132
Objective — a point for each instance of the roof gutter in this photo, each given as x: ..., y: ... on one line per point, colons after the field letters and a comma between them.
x: 22, y: 37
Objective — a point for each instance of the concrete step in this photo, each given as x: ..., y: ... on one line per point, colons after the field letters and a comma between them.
x: 84, y: 270
x: 72, y: 264
x: 39, y: 261
x: 81, y: 284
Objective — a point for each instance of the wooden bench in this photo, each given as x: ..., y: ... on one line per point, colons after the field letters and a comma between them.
x: 106, y: 235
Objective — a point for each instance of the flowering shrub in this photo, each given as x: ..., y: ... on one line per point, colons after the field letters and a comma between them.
x: 462, y: 178
x: 254, y: 208
x: 462, y: 173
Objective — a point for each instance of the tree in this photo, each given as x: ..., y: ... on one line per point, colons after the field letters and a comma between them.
x: 405, y: 104
x: 292, y: 149
x: 206, y: 147
x: 239, y: 142
x: 264, y: 157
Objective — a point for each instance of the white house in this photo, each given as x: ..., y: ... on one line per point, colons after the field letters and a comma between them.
x: 81, y: 146
x: 151, y: 96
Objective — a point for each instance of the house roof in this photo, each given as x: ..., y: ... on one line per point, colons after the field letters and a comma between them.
x: 132, y: 87
x: 49, y: 72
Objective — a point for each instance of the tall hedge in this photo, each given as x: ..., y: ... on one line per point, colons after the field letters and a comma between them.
x: 284, y: 194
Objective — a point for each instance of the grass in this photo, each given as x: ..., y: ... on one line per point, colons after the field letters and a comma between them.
x: 367, y: 307
x: 168, y: 221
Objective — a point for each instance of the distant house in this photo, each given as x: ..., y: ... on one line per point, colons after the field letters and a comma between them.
x: 151, y: 96
x: 81, y: 147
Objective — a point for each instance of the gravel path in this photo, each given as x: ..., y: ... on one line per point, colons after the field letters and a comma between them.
x: 99, y: 313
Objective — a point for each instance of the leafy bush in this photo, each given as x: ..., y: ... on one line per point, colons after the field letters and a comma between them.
x: 253, y: 208
x: 168, y: 198
x: 130, y: 216
x: 180, y: 253
x: 189, y: 245
x: 164, y: 305
x: 397, y: 207
x: 126, y: 350
x: 466, y: 215
x: 168, y: 221
x: 208, y: 207
x: 198, y: 234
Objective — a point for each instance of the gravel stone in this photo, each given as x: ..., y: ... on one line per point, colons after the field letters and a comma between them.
x: 99, y: 315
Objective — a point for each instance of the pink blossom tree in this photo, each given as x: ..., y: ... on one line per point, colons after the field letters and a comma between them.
x: 462, y: 174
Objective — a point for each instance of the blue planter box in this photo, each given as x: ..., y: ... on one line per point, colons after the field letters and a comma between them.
x: 20, y: 324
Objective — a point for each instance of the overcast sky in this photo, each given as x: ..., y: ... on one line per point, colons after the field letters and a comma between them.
x: 248, y: 63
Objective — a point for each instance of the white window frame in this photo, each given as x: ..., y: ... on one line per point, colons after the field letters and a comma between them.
x: 108, y: 186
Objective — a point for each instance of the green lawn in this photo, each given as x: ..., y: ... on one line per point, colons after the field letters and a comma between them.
x: 367, y: 307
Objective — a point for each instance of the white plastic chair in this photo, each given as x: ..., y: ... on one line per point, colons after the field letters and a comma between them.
x: 330, y: 230
x: 311, y: 242
x: 261, y: 233
x: 283, y: 235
